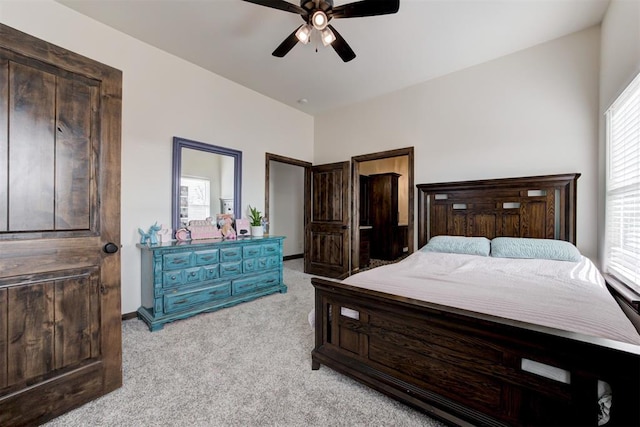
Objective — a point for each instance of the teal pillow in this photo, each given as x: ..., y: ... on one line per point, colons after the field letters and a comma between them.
x: 515, y: 247
x: 459, y: 245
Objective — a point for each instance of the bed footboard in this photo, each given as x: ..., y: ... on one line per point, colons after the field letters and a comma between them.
x: 471, y: 369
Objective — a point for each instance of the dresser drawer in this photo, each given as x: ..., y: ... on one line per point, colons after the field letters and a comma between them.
x: 172, y: 278
x: 174, y: 261
x: 231, y: 254
x: 210, y: 272
x: 192, y: 275
x: 249, y: 265
x: 251, y: 284
x: 181, y: 301
x: 270, y: 249
x: 230, y: 268
x: 207, y: 257
x: 250, y: 251
x: 261, y: 263
x: 269, y: 262
x: 182, y: 277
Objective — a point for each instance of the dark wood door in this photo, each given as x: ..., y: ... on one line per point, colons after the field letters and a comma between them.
x: 60, y: 317
x: 385, y: 241
x: 327, y: 230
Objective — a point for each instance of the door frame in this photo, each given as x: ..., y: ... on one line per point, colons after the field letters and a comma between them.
x: 268, y: 158
x: 355, y: 198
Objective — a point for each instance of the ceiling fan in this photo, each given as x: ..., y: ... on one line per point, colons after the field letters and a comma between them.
x: 318, y: 13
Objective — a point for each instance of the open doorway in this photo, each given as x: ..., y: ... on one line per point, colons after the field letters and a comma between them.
x: 383, y: 204
x: 324, y: 231
x: 310, y: 206
x: 285, y: 201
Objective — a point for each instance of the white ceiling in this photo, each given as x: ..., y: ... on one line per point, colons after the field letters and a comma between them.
x: 424, y: 40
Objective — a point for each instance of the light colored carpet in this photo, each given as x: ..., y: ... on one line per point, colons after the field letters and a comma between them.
x: 248, y: 365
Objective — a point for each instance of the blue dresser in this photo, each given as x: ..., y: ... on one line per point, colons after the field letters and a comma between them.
x: 182, y: 279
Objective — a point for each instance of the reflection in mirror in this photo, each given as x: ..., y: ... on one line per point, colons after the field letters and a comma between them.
x: 206, y: 181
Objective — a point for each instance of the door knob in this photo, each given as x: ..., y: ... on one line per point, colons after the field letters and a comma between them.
x: 110, y: 248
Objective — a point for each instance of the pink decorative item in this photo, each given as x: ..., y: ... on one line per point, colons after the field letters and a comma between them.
x: 182, y: 234
x: 164, y: 234
x: 242, y: 227
x: 225, y: 222
x: 203, y: 229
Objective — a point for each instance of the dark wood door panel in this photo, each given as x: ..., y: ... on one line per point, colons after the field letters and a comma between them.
x: 30, y: 331
x: 77, y: 320
x: 51, y: 324
x: 4, y: 338
x: 31, y: 148
x: 68, y: 390
x: 16, y: 257
x: 327, y: 196
x: 4, y: 143
x: 75, y: 154
x: 50, y: 185
x: 327, y: 252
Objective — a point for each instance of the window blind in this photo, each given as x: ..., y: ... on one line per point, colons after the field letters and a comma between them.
x: 622, y: 224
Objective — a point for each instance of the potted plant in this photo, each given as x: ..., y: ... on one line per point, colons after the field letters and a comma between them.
x: 255, y: 219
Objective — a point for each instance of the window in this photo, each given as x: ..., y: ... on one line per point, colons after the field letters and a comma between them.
x: 194, y: 199
x: 622, y: 226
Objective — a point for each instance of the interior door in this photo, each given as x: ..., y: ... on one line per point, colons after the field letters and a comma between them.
x: 60, y: 317
x: 327, y: 229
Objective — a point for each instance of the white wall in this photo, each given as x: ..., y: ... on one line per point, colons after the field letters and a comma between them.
x: 163, y: 97
x: 619, y: 64
x: 530, y: 113
x: 286, y: 205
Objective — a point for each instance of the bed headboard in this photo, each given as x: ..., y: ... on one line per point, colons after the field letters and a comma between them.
x: 537, y: 206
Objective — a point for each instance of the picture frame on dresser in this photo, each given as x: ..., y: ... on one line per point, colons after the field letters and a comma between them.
x: 184, y: 279
x: 243, y: 229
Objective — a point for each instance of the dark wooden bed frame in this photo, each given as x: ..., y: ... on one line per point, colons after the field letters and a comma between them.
x: 464, y: 367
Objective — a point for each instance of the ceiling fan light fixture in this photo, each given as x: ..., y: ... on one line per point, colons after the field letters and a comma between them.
x: 318, y: 13
x: 319, y: 20
x: 304, y: 33
x: 327, y: 37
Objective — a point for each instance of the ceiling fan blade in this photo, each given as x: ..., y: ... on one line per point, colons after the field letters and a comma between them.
x: 280, y: 5
x: 366, y: 8
x: 341, y: 47
x: 286, y: 45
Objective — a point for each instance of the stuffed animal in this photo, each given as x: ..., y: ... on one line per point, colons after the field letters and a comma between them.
x: 225, y: 222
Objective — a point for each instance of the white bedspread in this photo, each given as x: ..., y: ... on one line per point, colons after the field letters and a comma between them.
x: 559, y: 294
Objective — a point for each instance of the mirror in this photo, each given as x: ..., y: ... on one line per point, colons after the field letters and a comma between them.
x: 207, y: 180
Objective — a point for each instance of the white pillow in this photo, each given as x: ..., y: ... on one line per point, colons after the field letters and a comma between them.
x: 459, y: 245
x: 515, y: 247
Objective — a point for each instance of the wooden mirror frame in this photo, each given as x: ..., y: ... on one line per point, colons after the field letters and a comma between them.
x: 178, y: 145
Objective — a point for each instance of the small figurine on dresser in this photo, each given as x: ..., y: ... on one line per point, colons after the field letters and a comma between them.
x: 164, y: 234
x: 225, y: 222
x: 151, y: 236
x: 182, y: 235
